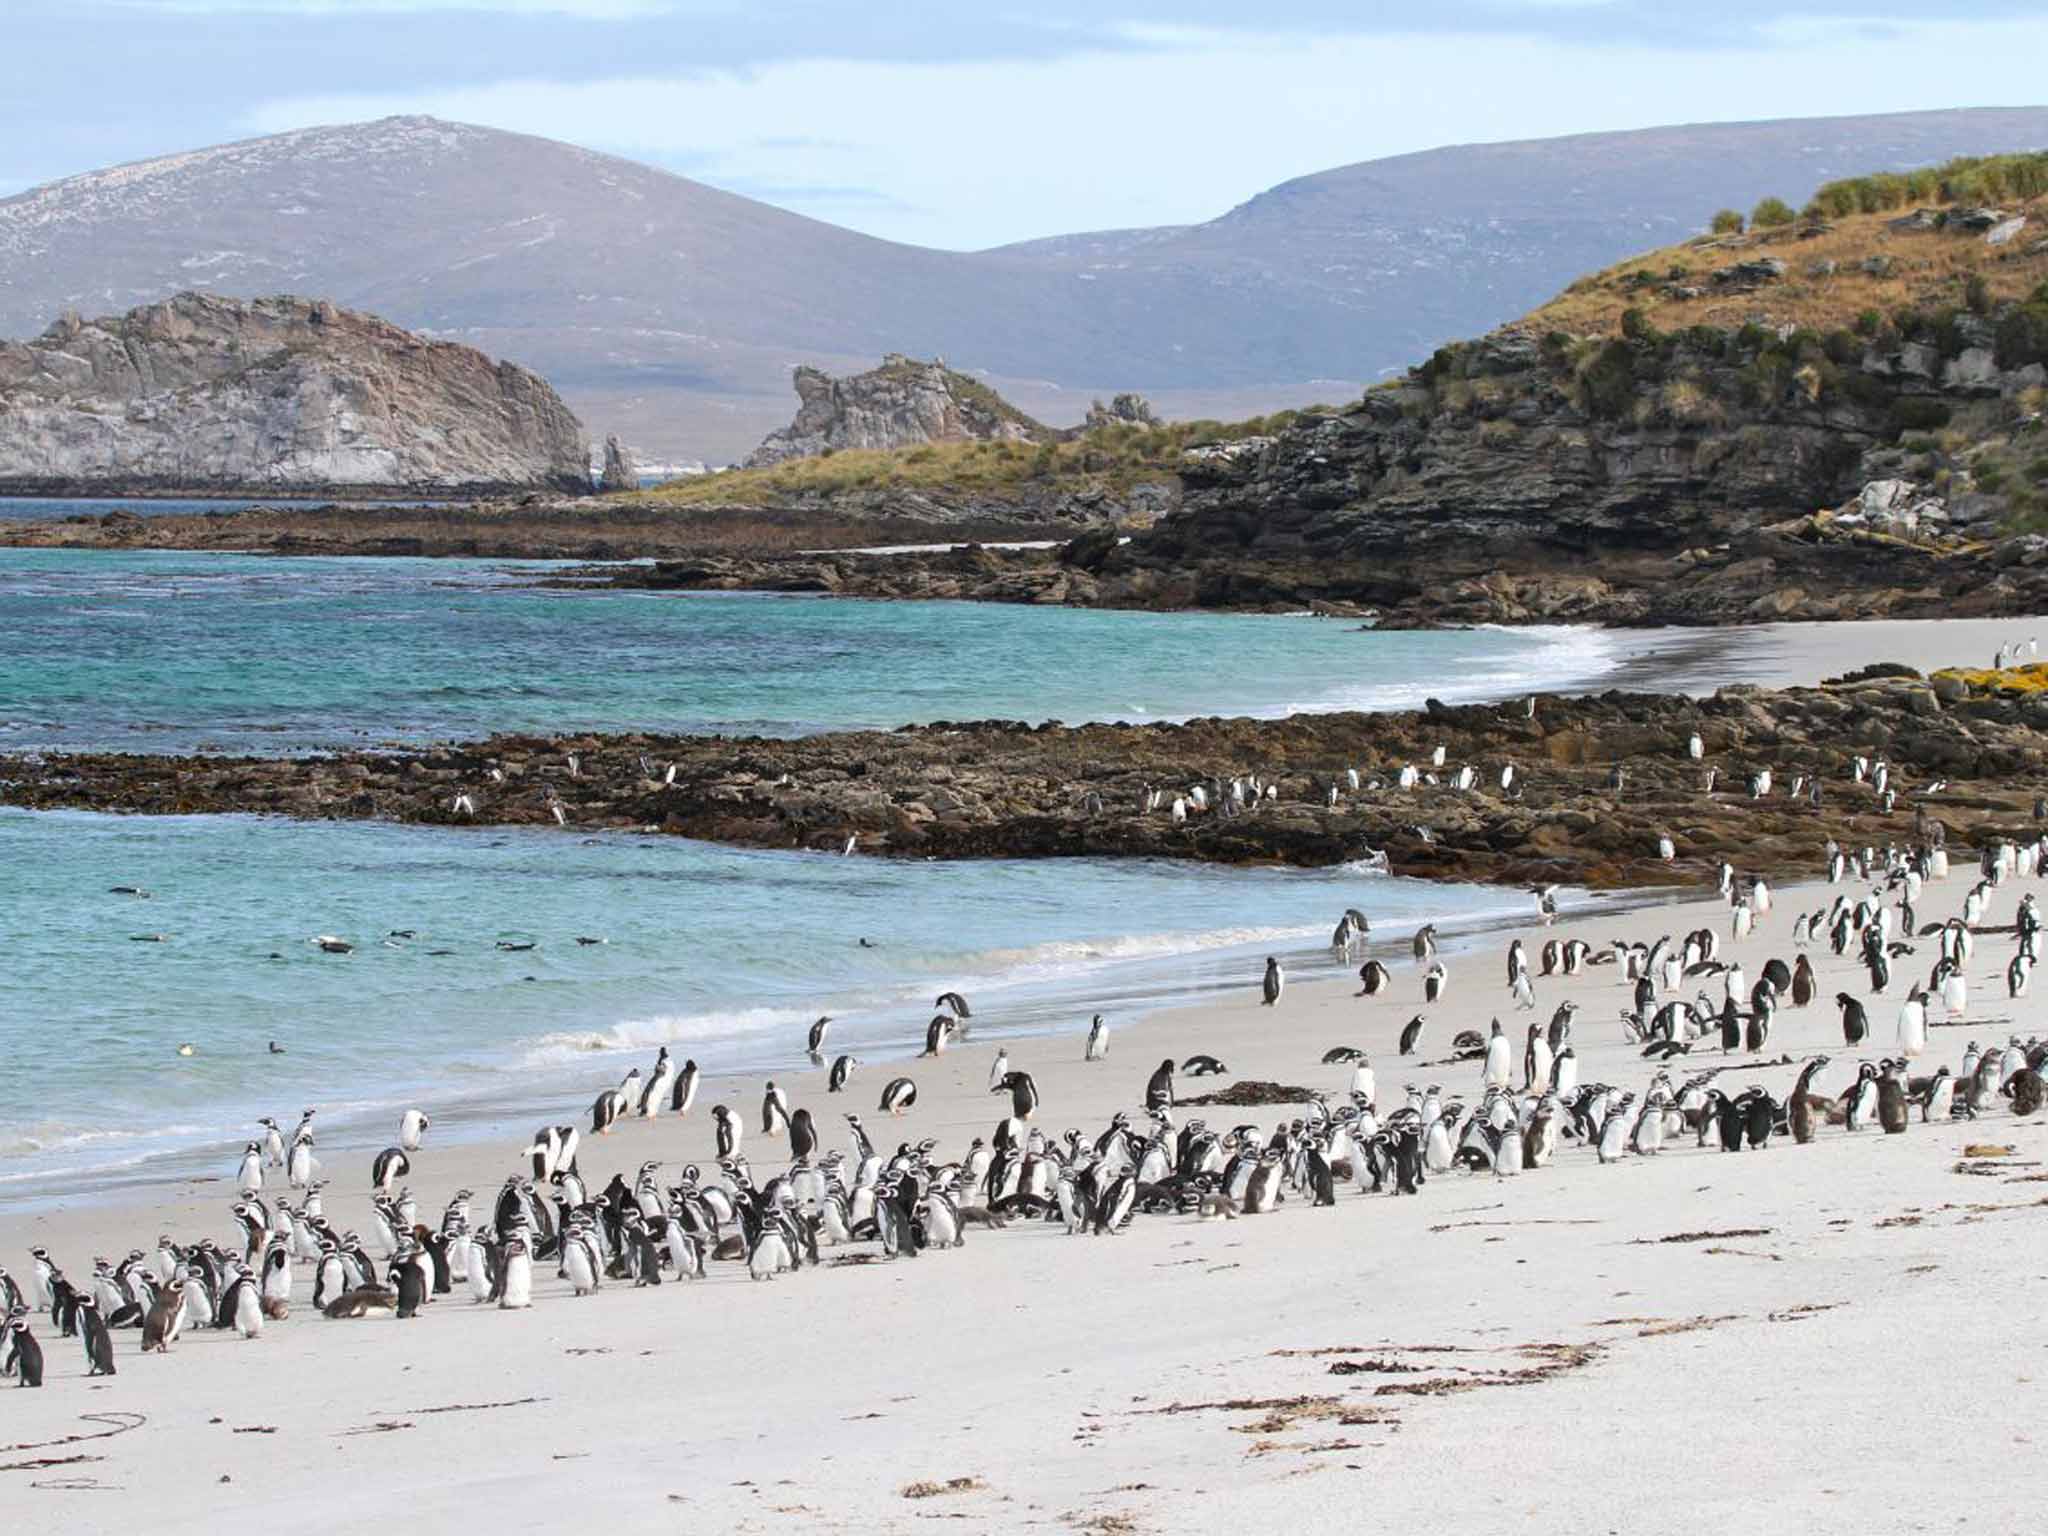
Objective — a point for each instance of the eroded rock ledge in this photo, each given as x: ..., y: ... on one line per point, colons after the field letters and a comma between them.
x: 1003, y: 788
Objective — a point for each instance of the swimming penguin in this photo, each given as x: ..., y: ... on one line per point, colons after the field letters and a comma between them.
x: 842, y: 1072
x: 1023, y: 1093
x: 1410, y: 1033
x: 1373, y: 978
x: 1098, y: 1040
x: 899, y: 1094
x: 684, y: 1094
x: 1274, y: 982
x: 412, y: 1125
x: 1159, y: 1087
x: 727, y: 1128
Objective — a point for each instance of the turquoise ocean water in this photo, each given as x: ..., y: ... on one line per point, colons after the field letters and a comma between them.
x: 721, y: 954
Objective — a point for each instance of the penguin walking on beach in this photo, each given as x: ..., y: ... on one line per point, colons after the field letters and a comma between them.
x: 726, y: 1126
x: 249, y: 1177
x: 1275, y: 982
x: 25, y: 1353
x: 803, y: 1136
x: 814, y: 1042
x: 93, y: 1334
x: 684, y: 1094
x: 1410, y: 1033
x: 1098, y: 1040
x: 774, y: 1109
x: 898, y: 1095
x: 841, y: 1073
x: 1433, y: 983
x: 273, y: 1142
x: 412, y: 1126
x: 515, y: 1288
x: 1023, y: 1094
x: 654, y: 1097
x: 1373, y: 979
x: 1496, y: 1071
x: 387, y: 1168
x: 1159, y: 1087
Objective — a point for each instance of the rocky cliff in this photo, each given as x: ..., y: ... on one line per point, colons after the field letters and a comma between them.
x: 281, y: 395
x: 901, y: 404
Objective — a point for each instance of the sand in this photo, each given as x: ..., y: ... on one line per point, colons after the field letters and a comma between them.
x: 1856, y: 1338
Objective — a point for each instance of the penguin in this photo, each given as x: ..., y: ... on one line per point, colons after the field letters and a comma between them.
x: 300, y: 1164
x: 98, y: 1342
x: 1373, y: 978
x: 1433, y: 983
x: 803, y: 1135
x: 728, y: 1129
x: 1495, y: 1074
x: 774, y: 1109
x: 273, y: 1142
x: 1098, y: 1040
x: 1159, y: 1087
x: 654, y: 1097
x: 1938, y: 1102
x: 605, y: 1110
x: 1275, y: 982
x: 1536, y: 1059
x: 387, y: 1168
x: 515, y: 1287
x: 1023, y: 1093
x: 1802, y: 982
x: 27, y: 1354
x: 1913, y: 1024
x: 1410, y: 1033
x: 412, y: 1125
x: 684, y: 1094
x: 409, y: 1283
x: 814, y: 1042
x: 1855, y: 1022
x: 841, y: 1073
x: 249, y: 1178
x: 898, y: 1095
x: 956, y: 1002
x: 1203, y: 1066
x: 166, y: 1320
x: 1425, y: 942
x: 938, y: 1034
x: 1891, y: 1102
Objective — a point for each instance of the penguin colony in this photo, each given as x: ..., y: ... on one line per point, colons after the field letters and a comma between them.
x: 1149, y: 1161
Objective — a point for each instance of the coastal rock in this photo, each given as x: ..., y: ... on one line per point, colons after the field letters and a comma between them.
x: 620, y: 474
x: 291, y: 395
x: 899, y: 405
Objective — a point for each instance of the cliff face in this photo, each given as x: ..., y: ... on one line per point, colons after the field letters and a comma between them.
x: 899, y: 405
x: 1568, y: 459
x: 283, y: 395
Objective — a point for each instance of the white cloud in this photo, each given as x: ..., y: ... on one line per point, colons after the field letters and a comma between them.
x: 975, y: 153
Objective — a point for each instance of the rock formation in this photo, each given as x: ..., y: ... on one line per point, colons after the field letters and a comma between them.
x: 620, y: 473
x: 1002, y: 788
x: 283, y: 395
x: 899, y: 405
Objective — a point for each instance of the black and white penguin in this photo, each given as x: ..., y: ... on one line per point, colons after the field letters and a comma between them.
x: 1892, y: 1112
x: 1204, y: 1066
x: 814, y: 1042
x: 1098, y: 1040
x: 803, y: 1135
x: 684, y: 1094
x: 1855, y: 1022
x: 841, y: 1074
x: 1373, y: 979
x: 774, y: 1109
x: 98, y: 1342
x: 654, y: 1098
x: 938, y: 1034
x: 605, y: 1110
x: 25, y: 1354
x: 726, y: 1125
x: 1023, y: 1093
x: 387, y: 1168
x: 412, y: 1126
x: 166, y: 1320
x: 1410, y: 1033
x: 899, y: 1094
x: 1433, y: 982
x: 1159, y: 1087
x: 515, y: 1280
x: 1274, y: 984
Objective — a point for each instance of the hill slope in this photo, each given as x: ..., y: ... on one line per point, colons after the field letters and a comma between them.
x: 672, y: 312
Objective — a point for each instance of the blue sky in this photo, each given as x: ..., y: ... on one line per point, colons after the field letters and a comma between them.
x: 967, y: 124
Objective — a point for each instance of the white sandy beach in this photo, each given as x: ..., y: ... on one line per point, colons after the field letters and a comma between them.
x: 1524, y: 1347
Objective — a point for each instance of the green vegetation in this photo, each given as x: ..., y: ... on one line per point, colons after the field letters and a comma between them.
x: 1969, y: 179
x: 1106, y: 458
x: 1771, y: 213
x: 1727, y: 221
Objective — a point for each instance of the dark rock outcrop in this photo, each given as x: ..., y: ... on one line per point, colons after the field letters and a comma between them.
x: 282, y: 395
x: 1004, y: 788
x: 899, y: 405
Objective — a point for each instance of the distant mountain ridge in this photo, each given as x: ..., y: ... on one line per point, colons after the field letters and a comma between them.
x: 672, y: 313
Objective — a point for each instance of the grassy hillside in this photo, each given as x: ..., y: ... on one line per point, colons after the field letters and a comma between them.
x: 1107, y: 460
x: 1861, y: 251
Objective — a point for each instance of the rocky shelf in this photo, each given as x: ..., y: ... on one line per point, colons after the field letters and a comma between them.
x: 1000, y: 788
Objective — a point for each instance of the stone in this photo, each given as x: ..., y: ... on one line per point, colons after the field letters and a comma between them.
x: 1749, y: 274
x: 1877, y: 266
x: 1974, y: 371
x: 200, y: 393
x: 2006, y: 230
x: 620, y: 474
x: 901, y: 404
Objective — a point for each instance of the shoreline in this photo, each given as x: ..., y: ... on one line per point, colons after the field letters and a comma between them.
x: 1210, y: 1396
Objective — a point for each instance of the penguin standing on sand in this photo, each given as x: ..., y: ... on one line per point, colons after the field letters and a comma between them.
x: 1274, y: 984
x: 814, y: 1042
x: 27, y: 1354
x: 898, y: 1095
x: 1410, y: 1033
x: 1373, y: 978
x: 387, y: 1168
x: 726, y: 1125
x: 803, y: 1135
x: 654, y: 1097
x: 412, y: 1125
x: 515, y: 1287
x: 1023, y: 1094
x: 774, y: 1110
x: 249, y: 1177
x: 684, y: 1094
x: 1892, y: 1112
x: 1098, y: 1040
x: 1159, y: 1088
x: 1495, y: 1073
x: 98, y: 1342
x: 841, y: 1073
x: 1433, y: 983
x: 1855, y: 1022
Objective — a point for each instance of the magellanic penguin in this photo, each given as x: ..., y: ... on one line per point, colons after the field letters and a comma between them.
x: 1098, y: 1040
x: 25, y: 1353
x: 1274, y: 984
x: 1023, y: 1094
